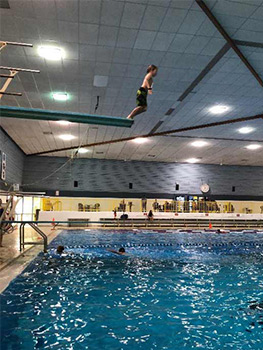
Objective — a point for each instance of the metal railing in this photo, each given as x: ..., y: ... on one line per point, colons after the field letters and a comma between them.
x: 22, y: 242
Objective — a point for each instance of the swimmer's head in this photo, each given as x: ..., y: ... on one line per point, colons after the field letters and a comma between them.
x: 153, y: 69
x: 60, y: 249
x: 121, y: 250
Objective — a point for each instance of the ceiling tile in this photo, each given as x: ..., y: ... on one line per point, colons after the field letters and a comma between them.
x: 111, y: 13
x: 171, y: 25
x: 153, y: 18
x: 126, y: 37
x: 162, y: 41
x: 89, y: 11
x: 107, y: 36
x: 88, y: 33
x: 144, y: 39
x: 132, y: 15
x: 67, y: 10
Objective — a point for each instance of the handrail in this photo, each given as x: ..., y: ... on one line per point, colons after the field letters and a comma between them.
x: 22, y: 242
x: 42, y: 234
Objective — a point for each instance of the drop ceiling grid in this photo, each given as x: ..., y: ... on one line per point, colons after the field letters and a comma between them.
x: 141, y: 126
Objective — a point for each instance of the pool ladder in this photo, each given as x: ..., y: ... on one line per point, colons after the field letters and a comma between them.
x: 22, y: 242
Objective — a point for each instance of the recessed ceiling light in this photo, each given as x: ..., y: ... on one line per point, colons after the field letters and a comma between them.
x: 52, y: 53
x: 67, y: 137
x: 63, y: 122
x: 199, y: 143
x: 60, y: 96
x: 140, y: 140
x: 192, y: 160
x: 253, y: 146
x: 246, y: 130
x: 218, y: 109
x: 83, y: 150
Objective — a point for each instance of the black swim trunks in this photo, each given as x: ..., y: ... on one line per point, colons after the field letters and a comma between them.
x: 141, y: 98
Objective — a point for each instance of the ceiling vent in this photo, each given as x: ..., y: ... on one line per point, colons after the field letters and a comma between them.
x: 152, y: 155
x: 4, y: 4
x: 47, y: 133
x: 99, y: 152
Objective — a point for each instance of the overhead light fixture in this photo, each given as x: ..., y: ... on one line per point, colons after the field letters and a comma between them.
x: 192, y: 160
x: 253, y: 146
x: 246, y: 130
x: 140, y: 140
x: 218, y: 109
x: 51, y: 53
x: 199, y: 143
x: 60, y: 96
x: 83, y: 150
x: 67, y: 137
x: 63, y: 122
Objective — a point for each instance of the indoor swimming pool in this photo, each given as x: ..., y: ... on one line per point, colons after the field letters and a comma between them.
x: 171, y: 290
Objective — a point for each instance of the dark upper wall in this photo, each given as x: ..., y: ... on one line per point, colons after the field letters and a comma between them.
x: 14, y: 160
x: 112, y: 178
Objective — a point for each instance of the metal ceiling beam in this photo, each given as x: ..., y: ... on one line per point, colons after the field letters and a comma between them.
x: 213, y: 19
x: 205, y: 71
x: 249, y: 43
x: 40, y: 114
x: 162, y: 133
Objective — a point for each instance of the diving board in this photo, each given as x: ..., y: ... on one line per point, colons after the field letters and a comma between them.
x: 47, y: 115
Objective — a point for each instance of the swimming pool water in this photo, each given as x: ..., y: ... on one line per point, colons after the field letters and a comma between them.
x: 193, y: 291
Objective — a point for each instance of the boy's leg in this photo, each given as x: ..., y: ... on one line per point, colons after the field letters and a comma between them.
x: 136, y: 111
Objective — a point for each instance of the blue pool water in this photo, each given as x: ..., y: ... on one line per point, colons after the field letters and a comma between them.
x: 172, y: 290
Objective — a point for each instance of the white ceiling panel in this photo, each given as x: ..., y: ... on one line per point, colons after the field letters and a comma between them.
x: 118, y: 40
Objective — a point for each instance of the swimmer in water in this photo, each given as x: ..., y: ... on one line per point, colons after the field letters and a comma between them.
x: 120, y: 252
x: 141, y: 99
x: 60, y: 249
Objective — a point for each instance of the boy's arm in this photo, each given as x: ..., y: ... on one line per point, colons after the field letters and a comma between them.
x: 149, y: 81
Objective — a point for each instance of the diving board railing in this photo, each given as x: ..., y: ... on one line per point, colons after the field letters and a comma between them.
x: 73, y: 117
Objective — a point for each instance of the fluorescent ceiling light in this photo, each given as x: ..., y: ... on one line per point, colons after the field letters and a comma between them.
x: 140, y: 140
x: 67, y: 137
x: 199, y: 143
x: 218, y: 109
x: 83, y: 150
x: 246, y: 130
x: 52, y: 53
x: 192, y: 160
x: 60, y: 96
x: 253, y: 146
x: 63, y: 122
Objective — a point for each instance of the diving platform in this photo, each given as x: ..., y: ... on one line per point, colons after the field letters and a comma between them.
x: 47, y: 115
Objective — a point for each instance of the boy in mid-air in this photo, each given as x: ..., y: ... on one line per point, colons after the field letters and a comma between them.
x: 146, y: 87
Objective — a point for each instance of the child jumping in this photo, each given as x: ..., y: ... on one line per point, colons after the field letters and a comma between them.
x: 141, y: 99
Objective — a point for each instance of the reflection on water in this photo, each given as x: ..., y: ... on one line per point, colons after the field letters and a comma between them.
x: 155, y: 298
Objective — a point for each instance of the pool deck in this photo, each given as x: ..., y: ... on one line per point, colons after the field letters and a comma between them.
x: 12, y: 261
